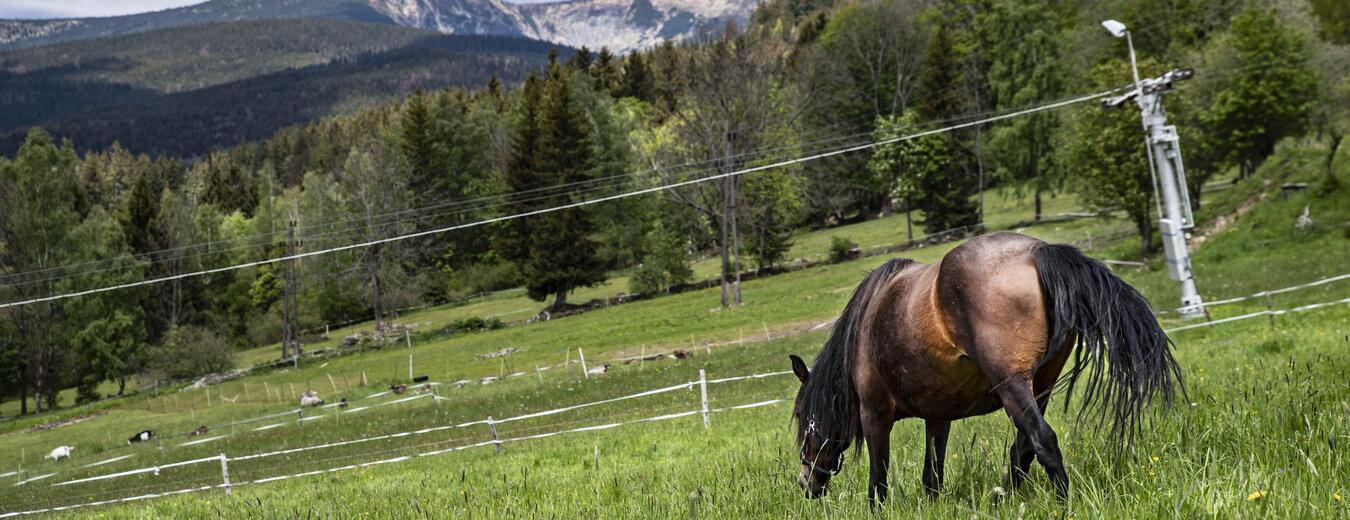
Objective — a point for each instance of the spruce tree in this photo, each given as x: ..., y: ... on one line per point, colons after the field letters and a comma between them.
x: 637, y: 79
x: 563, y: 254
x: 945, y: 188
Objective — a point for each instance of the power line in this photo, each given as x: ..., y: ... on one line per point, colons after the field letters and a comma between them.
x: 670, y: 186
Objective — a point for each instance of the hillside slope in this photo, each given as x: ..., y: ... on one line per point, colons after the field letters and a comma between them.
x: 51, y: 83
x: 31, y: 33
x: 193, y: 122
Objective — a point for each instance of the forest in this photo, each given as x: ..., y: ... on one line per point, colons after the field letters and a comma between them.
x: 802, y: 77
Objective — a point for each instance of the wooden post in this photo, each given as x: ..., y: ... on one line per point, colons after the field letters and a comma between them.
x: 407, y: 336
x: 703, y: 390
x: 225, y: 474
x: 208, y: 398
x: 492, y: 428
x: 582, y: 355
x: 642, y: 358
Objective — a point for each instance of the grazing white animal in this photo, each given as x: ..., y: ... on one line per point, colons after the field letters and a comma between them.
x: 598, y: 370
x: 61, y: 452
x: 310, y: 398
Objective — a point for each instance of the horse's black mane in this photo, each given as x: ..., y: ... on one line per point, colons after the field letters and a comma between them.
x: 828, y: 397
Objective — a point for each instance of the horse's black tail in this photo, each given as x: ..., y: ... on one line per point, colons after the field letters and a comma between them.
x: 1120, y: 346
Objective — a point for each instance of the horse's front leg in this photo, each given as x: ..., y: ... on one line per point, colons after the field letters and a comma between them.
x: 877, y: 431
x: 934, y: 454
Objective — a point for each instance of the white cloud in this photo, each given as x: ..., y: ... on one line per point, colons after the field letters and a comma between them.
x: 83, y: 8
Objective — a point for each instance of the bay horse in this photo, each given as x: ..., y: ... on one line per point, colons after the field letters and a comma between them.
x: 990, y: 326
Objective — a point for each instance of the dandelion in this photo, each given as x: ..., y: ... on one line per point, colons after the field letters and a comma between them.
x: 1336, y: 497
x: 1256, y: 495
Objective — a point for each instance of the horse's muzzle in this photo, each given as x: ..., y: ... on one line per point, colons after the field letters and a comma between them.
x: 814, y: 484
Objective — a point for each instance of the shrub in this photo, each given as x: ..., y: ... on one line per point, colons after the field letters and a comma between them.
x: 190, y: 352
x: 843, y: 249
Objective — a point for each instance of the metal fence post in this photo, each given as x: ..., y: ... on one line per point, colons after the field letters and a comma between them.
x: 492, y: 427
x: 703, y: 389
x: 225, y: 474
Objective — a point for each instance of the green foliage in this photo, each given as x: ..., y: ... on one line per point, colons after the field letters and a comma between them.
x: 190, y: 352
x: 470, y: 324
x: 1271, y: 93
x: 1102, y: 146
x: 1026, y: 69
x: 925, y: 171
x: 556, y: 252
x: 842, y: 249
x: 666, y: 265
x: 1333, y: 18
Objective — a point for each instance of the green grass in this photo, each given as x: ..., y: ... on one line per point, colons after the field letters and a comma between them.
x: 1270, y: 409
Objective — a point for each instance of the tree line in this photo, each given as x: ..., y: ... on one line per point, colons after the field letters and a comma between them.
x: 802, y: 77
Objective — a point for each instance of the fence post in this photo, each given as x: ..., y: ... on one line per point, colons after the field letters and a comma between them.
x: 584, y: 372
x: 225, y: 474
x: 703, y: 389
x: 492, y: 427
x: 407, y: 336
x: 1270, y: 316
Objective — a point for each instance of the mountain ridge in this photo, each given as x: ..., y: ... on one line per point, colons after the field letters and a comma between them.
x: 620, y: 25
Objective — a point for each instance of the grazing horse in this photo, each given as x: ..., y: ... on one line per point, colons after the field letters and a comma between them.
x: 989, y: 326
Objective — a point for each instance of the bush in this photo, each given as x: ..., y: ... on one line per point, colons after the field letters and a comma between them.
x: 843, y: 249
x: 190, y: 352
x: 471, y: 324
x: 665, y: 266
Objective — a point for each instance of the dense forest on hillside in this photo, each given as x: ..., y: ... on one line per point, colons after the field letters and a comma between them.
x: 186, y: 91
x: 804, y: 76
x: 15, y: 34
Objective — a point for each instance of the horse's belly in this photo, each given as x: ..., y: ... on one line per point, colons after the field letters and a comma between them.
x: 950, y: 391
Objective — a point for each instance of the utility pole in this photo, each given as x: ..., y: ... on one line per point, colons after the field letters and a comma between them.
x: 1164, y: 152
x: 290, y: 334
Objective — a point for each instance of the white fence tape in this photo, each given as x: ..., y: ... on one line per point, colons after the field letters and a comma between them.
x: 102, y: 462
x: 138, y: 471
x: 393, y: 460
x: 545, y: 413
x: 1259, y: 314
x: 1262, y: 294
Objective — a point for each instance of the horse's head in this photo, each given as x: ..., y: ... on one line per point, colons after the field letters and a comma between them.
x: 822, y: 457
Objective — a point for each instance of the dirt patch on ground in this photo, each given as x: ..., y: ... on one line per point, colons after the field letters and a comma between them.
x: 66, y: 422
x: 1225, y: 221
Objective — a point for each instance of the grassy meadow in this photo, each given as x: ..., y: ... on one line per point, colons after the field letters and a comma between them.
x: 1262, y: 432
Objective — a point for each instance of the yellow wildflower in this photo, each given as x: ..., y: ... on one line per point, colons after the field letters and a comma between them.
x: 1336, y: 497
x: 1256, y: 495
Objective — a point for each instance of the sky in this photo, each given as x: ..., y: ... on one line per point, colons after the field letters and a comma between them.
x: 83, y: 8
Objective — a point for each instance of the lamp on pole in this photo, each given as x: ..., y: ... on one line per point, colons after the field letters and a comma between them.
x: 1169, y: 176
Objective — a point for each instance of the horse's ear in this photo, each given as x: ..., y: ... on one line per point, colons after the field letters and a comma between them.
x: 799, y: 368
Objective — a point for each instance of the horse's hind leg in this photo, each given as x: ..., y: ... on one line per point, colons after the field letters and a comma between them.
x: 1022, y: 453
x: 1022, y: 408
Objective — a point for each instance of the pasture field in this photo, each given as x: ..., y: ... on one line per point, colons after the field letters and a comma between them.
x: 1262, y: 432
